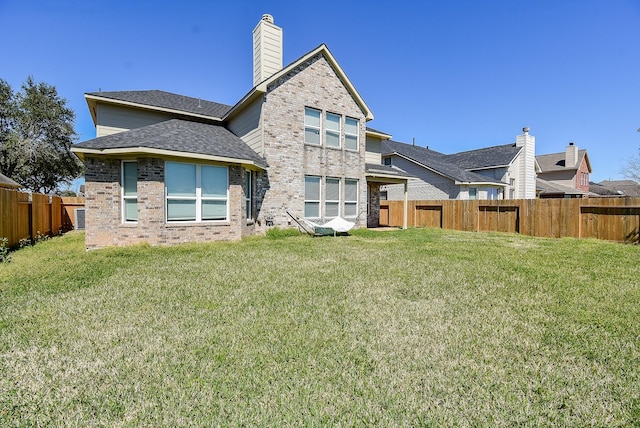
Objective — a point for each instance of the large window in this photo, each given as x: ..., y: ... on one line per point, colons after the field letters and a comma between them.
x: 351, y: 134
x: 473, y: 193
x: 129, y: 191
x: 196, y: 192
x: 312, y: 126
x: 350, y: 198
x: 332, y: 135
x: 332, y: 197
x: 311, y: 196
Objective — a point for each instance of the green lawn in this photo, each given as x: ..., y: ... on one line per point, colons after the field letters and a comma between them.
x: 403, y: 328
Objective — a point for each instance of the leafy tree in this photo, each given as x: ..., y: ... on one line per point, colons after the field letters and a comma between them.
x: 36, y: 133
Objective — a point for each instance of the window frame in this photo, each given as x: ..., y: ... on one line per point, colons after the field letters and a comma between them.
x: 333, y: 202
x: 348, y: 134
x: 314, y: 201
x: 123, y: 196
x: 475, y: 193
x: 248, y: 194
x: 333, y: 132
x: 198, y: 197
x: 313, y: 127
x: 350, y: 202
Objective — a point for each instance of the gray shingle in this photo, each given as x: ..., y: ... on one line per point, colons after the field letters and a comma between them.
x: 486, y: 157
x: 179, y: 136
x: 168, y: 100
x: 436, y: 161
x: 556, y: 161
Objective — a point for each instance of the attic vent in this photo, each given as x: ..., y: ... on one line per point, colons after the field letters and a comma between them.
x: 268, y: 18
x: 79, y: 218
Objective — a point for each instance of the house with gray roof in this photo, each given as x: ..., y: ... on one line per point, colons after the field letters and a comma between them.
x: 564, y: 174
x: 499, y: 172
x: 166, y: 168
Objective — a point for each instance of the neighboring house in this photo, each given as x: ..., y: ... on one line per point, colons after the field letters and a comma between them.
x: 167, y: 168
x: 564, y: 174
x: 499, y: 172
x: 618, y: 188
x: 7, y: 183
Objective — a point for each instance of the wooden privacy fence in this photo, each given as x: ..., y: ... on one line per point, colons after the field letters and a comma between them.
x: 24, y: 215
x: 612, y: 219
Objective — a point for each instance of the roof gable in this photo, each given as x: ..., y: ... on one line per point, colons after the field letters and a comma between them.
x: 556, y: 161
x: 265, y: 85
x: 176, y: 137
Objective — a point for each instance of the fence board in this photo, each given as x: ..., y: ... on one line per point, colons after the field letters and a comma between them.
x: 613, y: 219
x: 24, y: 215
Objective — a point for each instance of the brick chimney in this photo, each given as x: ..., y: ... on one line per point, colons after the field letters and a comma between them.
x: 267, y: 49
x: 571, y: 156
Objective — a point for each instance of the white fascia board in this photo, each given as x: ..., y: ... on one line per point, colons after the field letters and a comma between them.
x: 162, y: 152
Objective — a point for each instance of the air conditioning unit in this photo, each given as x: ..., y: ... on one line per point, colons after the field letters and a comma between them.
x: 79, y: 218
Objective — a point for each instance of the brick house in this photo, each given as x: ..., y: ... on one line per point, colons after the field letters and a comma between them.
x: 564, y: 174
x: 167, y: 168
x: 506, y: 171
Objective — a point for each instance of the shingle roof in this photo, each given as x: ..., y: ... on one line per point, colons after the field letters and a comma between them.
x: 621, y: 187
x: 435, y: 161
x: 486, y: 157
x: 556, y: 161
x: 179, y: 136
x: 168, y: 100
x: 376, y: 168
x: 548, y: 187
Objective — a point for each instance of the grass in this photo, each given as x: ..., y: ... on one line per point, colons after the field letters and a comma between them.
x: 405, y: 328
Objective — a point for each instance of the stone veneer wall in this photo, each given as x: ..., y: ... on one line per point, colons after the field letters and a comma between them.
x: 104, y: 226
x: 313, y: 84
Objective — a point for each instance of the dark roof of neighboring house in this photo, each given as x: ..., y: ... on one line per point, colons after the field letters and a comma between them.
x: 7, y: 182
x: 619, y: 187
x: 601, y: 190
x: 434, y: 161
x: 168, y: 100
x: 556, y: 161
x: 550, y: 188
x: 386, y: 170
x: 178, y: 135
x: 486, y: 157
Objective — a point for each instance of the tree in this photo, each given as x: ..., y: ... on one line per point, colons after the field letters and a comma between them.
x: 632, y: 169
x: 36, y: 133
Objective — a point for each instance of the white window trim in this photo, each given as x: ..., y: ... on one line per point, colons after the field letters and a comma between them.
x: 357, y: 134
x: 198, y: 197
x: 123, y: 208
x: 344, y: 209
x: 318, y: 128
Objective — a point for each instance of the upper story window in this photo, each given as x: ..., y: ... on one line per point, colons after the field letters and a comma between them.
x: 351, y: 134
x: 332, y: 135
x: 330, y: 130
x: 196, y: 192
x: 312, y: 126
x: 388, y: 161
x: 129, y: 191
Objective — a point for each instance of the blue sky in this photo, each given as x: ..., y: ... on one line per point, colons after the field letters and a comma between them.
x: 455, y: 75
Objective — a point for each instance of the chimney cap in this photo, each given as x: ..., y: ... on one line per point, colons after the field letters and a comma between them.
x: 525, y: 129
x: 571, y: 143
x: 268, y: 18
